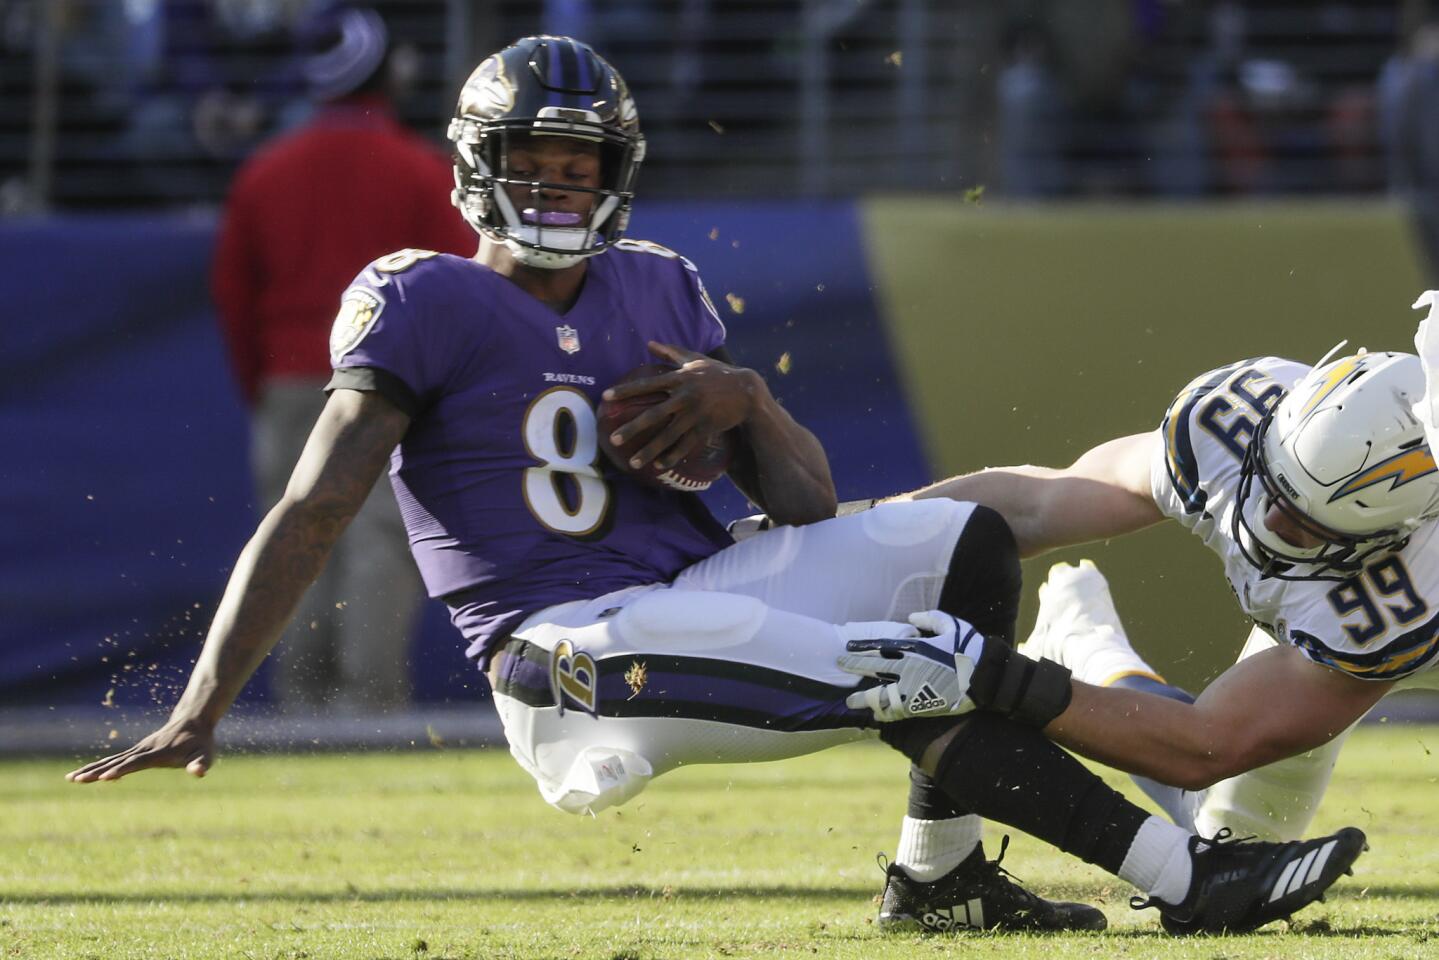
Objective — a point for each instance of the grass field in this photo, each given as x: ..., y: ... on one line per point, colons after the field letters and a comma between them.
x: 451, y: 854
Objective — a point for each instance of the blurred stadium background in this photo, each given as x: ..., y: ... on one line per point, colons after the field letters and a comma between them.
x: 953, y: 233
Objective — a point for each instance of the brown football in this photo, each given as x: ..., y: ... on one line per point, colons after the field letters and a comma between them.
x: 694, y: 473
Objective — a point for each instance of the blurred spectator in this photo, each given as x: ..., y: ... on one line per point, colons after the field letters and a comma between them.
x: 1415, y: 147
x: 1182, y: 100
x: 304, y: 215
x: 77, y: 50
x: 214, y: 80
x: 1033, y: 116
x: 1286, y: 108
x: 1088, y: 102
x: 628, y: 31
x: 1169, y: 100
x: 19, y: 39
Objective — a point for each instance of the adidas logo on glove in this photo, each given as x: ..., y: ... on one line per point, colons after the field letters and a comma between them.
x: 926, y: 699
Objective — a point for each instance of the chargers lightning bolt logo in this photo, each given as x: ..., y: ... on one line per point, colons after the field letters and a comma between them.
x: 1400, y: 469
x: 1331, y: 380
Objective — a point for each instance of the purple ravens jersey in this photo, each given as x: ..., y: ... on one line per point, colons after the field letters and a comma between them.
x: 509, y: 505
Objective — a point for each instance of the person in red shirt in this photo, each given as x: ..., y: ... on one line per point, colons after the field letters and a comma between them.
x: 303, y: 215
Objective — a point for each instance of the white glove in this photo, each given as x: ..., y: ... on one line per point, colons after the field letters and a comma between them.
x: 926, y: 677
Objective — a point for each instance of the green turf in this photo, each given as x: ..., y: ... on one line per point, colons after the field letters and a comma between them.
x: 448, y: 854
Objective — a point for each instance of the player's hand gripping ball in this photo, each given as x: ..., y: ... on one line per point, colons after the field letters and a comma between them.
x: 697, y: 471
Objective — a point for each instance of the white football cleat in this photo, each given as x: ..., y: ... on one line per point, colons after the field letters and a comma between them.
x: 1079, y: 627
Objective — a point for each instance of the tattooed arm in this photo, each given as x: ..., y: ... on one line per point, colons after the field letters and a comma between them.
x: 348, y: 448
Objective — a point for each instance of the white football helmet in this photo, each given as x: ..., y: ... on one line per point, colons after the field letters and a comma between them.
x: 1345, y: 458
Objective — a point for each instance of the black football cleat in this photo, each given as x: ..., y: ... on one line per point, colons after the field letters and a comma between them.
x: 978, y: 894
x: 1240, y: 885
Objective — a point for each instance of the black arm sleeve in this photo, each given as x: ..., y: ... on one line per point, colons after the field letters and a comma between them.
x: 375, y: 380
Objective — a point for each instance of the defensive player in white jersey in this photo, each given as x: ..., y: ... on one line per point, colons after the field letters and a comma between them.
x: 1318, y: 490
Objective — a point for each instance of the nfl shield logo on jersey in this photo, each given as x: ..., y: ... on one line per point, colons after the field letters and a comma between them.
x: 569, y: 339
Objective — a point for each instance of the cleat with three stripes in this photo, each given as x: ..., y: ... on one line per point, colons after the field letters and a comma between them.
x: 1240, y: 885
x: 978, y: 894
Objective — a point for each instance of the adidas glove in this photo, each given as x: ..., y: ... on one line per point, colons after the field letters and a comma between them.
x: 921, y: 677
x: 954, y: 671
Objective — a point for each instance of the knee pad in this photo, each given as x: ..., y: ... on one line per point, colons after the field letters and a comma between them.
x: 681, y: 621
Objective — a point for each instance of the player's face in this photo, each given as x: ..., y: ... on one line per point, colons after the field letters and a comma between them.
x: 1294, y: 530
x: 559, y: 162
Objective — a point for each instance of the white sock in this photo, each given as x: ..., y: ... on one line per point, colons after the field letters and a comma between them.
x: 928, y: 849
x: 1180, y: 806
x: 1158, y: 861
x: 1103, y: 655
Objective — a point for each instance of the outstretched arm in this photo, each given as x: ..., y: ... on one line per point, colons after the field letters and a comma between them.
x: 348, y: 448
x: 1105, y: 493
x: 1267, y: 707
x: 1273, y: 705
x: 1238, y: 723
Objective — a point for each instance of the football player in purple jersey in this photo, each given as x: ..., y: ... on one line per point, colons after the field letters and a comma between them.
x: 623, y: 632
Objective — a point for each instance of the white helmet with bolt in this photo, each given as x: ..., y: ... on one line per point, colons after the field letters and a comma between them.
x: 1344, y: 456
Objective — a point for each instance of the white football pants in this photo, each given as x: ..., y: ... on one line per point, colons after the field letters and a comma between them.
x: 732, y: 662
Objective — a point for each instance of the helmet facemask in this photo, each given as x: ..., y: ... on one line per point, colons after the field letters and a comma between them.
x: 536, y: 236
x: 1338, y: 556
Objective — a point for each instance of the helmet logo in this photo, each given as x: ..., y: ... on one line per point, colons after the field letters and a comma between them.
x: 1332, y: 379
x: 488, y: 92
x: 1401, y: 469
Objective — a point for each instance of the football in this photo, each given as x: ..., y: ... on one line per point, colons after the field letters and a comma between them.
x: 694, y: 473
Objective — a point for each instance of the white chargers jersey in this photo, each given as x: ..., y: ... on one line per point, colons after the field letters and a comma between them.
x: 1381, y: 624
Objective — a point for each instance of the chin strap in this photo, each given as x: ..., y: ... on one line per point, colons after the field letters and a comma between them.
x: 544, y: 259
